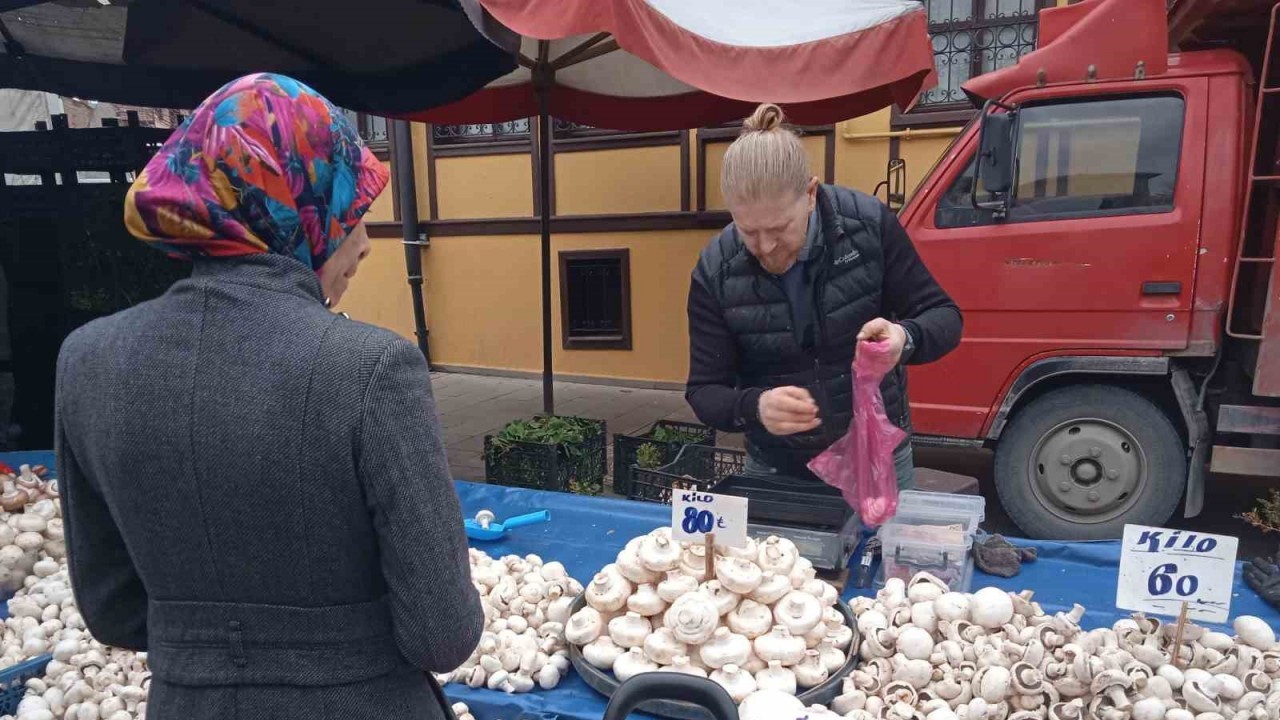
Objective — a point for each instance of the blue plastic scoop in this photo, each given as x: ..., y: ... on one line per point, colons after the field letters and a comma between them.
x: 486, y: 527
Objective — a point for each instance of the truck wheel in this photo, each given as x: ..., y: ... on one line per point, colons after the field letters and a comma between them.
x: 1082, y: 462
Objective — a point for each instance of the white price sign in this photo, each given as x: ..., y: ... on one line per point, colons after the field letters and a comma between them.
x: 1160, y: 569
x: 694, y: 515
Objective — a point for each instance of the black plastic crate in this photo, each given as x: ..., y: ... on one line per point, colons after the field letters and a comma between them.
x: 651, y: 454
x: 784, y: 500
x: 542, y: 466
x: 779, y: 500
x: 696, y: 467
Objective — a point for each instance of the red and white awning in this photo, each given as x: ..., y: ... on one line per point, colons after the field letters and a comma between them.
x: 667, y: 64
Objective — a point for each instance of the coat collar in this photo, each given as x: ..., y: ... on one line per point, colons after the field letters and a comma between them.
x: 266, y: 270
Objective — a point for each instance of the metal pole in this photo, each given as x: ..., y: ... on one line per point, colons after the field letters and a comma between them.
x: 543, y: 86
x: 402, y: 139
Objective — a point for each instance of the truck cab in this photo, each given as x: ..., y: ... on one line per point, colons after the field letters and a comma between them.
x: 1089, y: 224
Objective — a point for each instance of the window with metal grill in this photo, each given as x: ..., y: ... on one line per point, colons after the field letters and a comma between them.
x: 595, y: 299
x: 971, y: 37
x: 372, y: 128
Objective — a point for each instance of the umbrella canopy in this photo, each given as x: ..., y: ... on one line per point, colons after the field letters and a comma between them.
x: 377, y: 56
x: 671, y: 64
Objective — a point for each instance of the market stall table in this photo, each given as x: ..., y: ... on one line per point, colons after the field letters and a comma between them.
x: 586, y: 533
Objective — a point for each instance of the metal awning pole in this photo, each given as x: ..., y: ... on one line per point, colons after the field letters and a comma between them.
x: 543, y: 76
x: 406, y: 184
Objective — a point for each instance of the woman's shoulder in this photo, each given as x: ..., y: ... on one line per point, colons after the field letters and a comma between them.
x: 372, y: 344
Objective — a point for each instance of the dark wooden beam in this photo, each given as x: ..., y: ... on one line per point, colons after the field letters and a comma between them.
x: 630, y: 222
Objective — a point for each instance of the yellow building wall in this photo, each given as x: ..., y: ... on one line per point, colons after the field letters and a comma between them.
x: 630, y: 180
x: 379, y: 293
x: 861, y: 162
x: 483, y: 186
x: 483, y: 296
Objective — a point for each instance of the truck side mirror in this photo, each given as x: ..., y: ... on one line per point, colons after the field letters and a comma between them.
x: 995, y: 160
x: 894, y: 184
x: 995, y: 154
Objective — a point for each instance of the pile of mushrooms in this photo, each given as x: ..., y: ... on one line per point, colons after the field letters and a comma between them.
x: 31, y: 524
x: 85, y: 680
x: 31, y: 483
x: 764, y: 621
x: 526, y: 605
x: 931, y: 654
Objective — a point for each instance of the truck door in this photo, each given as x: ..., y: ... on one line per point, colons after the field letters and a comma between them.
x: 1097, y: 254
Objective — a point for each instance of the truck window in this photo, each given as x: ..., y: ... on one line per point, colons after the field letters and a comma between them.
x: 1085, y: 159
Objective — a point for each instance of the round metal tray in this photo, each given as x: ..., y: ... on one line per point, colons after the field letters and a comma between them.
x: 605, y: 683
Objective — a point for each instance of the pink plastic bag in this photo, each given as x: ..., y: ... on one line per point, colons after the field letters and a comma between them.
x: 860, y: 464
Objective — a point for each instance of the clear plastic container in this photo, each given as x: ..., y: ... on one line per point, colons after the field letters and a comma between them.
x: 931, y: 516
x: 964, y: 505
x: 935, y: 543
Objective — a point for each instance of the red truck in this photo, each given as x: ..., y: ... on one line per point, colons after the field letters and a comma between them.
x: 1108, y: 223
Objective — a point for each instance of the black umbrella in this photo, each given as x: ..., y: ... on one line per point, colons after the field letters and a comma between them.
x: 377, y: 56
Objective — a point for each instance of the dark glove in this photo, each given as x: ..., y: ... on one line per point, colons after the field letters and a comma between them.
x: 996, y: 556
x: 1263, y: 575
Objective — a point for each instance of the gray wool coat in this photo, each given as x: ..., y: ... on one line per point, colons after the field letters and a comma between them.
x: 256, y: 493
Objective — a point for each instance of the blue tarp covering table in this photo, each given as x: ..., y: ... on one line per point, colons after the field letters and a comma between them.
x: 586, y: 533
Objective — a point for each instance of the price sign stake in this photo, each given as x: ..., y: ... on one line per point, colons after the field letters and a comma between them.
x: 1166, y: 571
x: 1177, y: 636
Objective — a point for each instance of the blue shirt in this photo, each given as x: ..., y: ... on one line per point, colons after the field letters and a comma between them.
x: 797, y: 283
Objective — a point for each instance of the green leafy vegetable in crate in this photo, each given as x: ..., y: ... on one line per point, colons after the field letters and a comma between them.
x: 545, y: 431
x: 652, y: 454
x: 649, y: 455
x: 568, y: 434
x: 667, y: 434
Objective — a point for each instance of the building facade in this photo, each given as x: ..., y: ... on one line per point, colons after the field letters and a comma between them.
x: 631, y: 211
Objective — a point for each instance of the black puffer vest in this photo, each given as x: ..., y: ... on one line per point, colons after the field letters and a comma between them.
x: 848, y: 263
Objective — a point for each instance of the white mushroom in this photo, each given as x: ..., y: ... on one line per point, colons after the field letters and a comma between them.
x: 1255, y: 632
x: 608, y: 592
x: 662, y: 647
x: 682, y: 665
x: 725, y: 648
x: 584, y: 626
x: 602, y: 653
x: 646, y: 601
x: 630, y: 630
x: 776, y: 677
x: 632, y: 663
x: 800, y: 612
x: 693, y: 618
x: 675, y: 585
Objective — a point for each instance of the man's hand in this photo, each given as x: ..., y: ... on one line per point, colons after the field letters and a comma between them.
x: 788, y: 410
x: 881, y: 329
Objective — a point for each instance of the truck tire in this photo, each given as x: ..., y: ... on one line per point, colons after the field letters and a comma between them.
x: 1081, y: 462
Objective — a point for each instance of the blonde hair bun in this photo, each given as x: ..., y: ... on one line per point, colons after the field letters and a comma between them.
x: 766, y: 160
x: 767, y: 117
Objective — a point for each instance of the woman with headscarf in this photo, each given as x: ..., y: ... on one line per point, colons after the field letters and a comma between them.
x: 254, y: 487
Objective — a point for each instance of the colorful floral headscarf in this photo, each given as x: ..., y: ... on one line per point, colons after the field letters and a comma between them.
x: 265, y: 164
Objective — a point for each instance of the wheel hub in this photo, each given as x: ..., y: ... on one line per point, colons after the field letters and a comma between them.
x: 1088, y: 470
